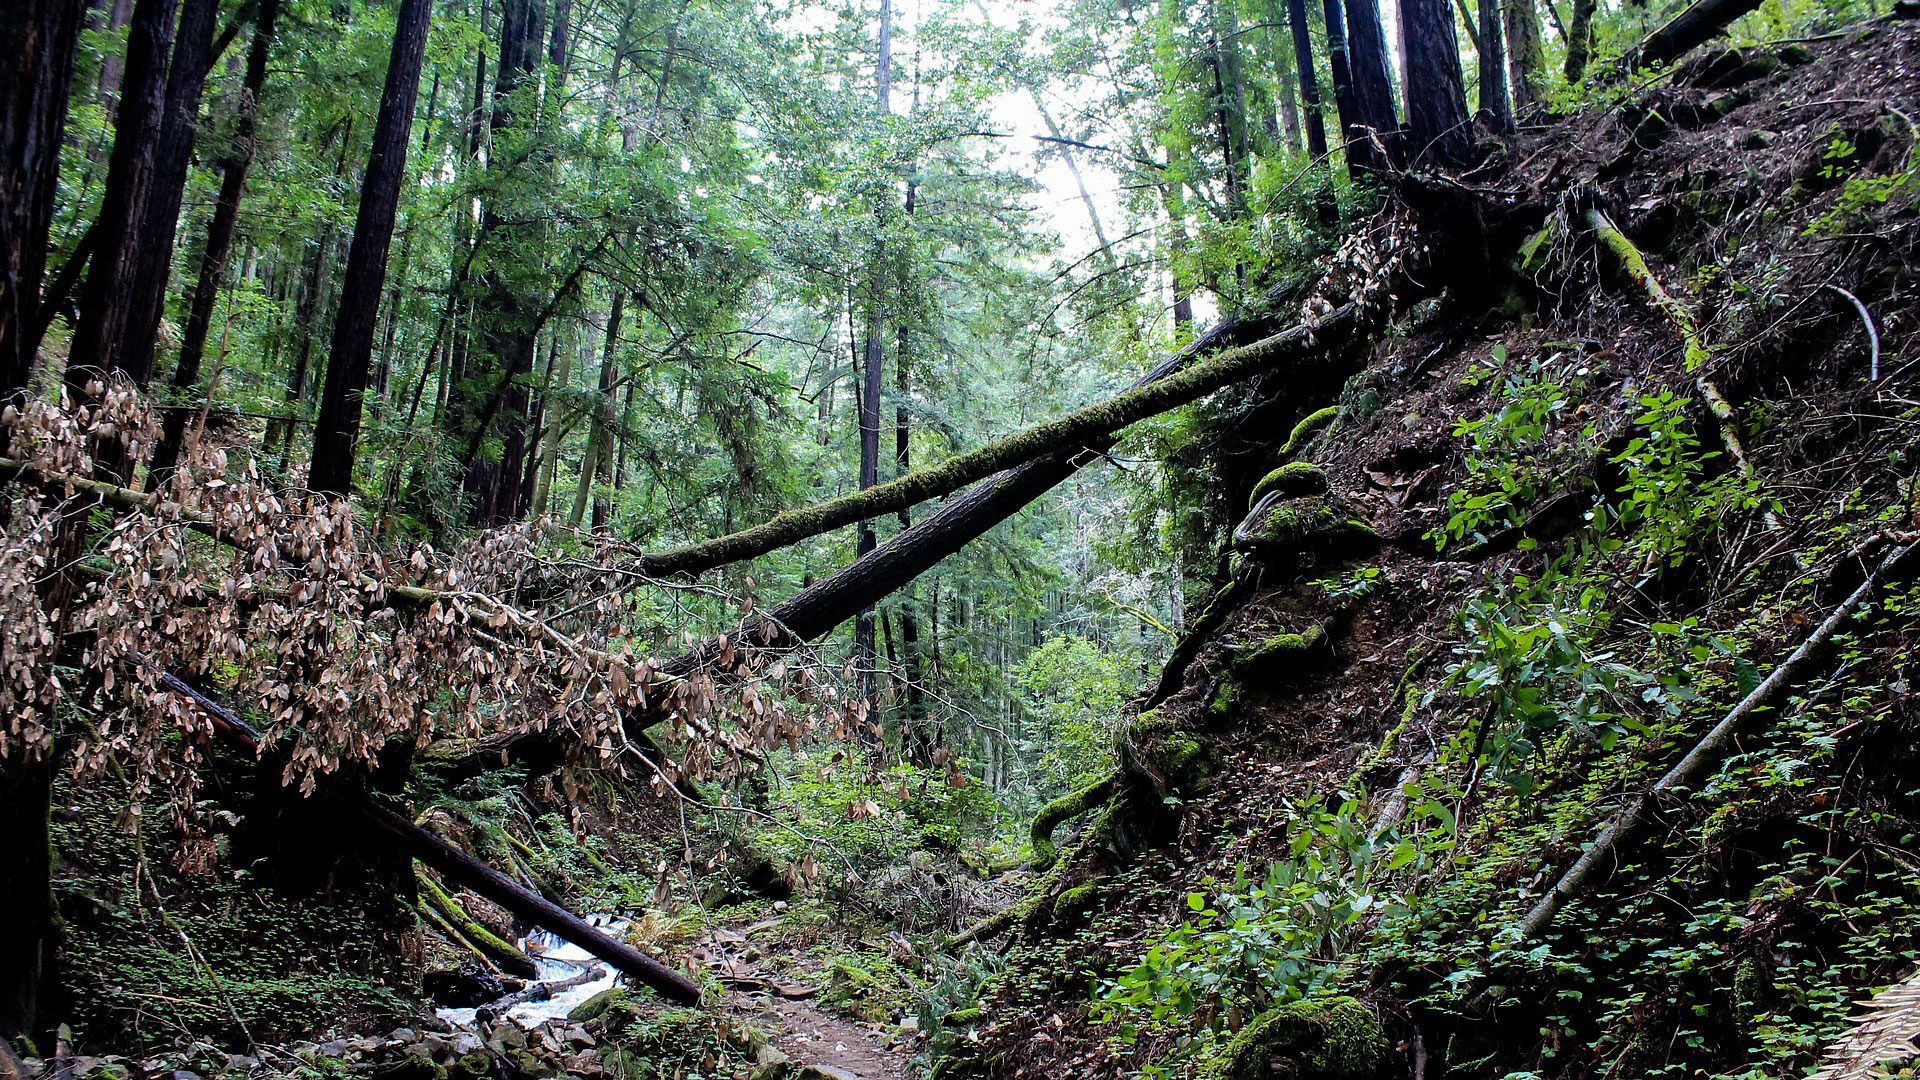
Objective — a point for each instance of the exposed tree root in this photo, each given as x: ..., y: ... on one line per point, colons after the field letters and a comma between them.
x: 1064, y: 809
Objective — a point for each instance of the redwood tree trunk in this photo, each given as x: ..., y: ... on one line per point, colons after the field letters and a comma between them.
x: 1525, y: 57
x: 348, y: 361
x: 213, y: 261
x: 27, y: 909
x: 493, y: 483
x: 1309, y: 82
x: 104, y: 340
x: 1372, y: 76
x: 40, y: 38
x: 1494, y: 108
x: 1436, y: 94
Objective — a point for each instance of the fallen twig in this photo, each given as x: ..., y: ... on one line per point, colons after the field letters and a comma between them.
x: 1873, y: 332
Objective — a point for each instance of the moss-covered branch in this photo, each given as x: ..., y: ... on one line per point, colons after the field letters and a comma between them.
x: 1707, y: 752
x: 1178, y: 386
x: 1064, y: 809
x: 504, y: 954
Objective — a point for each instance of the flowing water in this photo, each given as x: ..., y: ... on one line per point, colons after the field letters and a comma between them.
x: 556, y: 960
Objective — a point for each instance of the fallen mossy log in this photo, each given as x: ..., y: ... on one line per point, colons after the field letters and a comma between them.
x: 501, y: 953
x: 1708, y: 751
x: 1175, y: 380
x: 913, y: 551
x: 458, y: 866
x: 1696, y: 24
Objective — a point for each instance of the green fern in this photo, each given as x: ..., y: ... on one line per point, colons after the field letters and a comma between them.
x: 1883, y: 1034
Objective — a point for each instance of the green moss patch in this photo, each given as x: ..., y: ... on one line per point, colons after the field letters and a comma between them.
x: 1331, y: 1039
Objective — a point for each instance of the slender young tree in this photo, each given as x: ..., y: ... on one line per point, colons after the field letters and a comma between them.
x: 597, y: 463
x: 337, y: 430
x: 873, y: 363
x: 1437, y: 120
x: 213, y: 259
x: 1495, y: 111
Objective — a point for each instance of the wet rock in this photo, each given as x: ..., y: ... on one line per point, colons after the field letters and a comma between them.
x: 595, y: 1007
x: 477, y: 1065
x: 506, y: 1036
x: 466, y: 988
x: 464, y: 1043
x: 532, y: 1066
x: 411, y: 1068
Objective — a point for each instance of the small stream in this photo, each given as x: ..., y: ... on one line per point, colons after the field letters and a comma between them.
x: 556, y: 960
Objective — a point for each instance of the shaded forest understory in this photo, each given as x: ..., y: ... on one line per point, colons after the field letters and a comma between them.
x: 1534, y: 698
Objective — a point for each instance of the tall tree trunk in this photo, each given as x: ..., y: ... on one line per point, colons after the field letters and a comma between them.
x: 337, y: 430
x: 493, y: 483
x: 1495, y: 111
x: 104, y: 340
x: 213, y: 260
x: 1580, y: 39
x: 1174, y: 201
x: 186, y: 78
x: 1362, y: 158
x: 1372, y: 76
x: 1437, y: 120
x: 1289, y: 93
x: 41, y: 37
x: 111, y: 66
x: 600, y: 446
x: 1525, y: 57
x: 1309, y: 82
x: 1324, y: 205
x: 28, y: 948
x: 559, y: 46
x: 873, y: 367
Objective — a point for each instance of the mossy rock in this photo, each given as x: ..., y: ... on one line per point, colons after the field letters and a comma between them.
x: 1311, y: 528
x: 1309, y: 424
x: 596, y: 1006
x: 1291, y: 481
x: 476, y: 1065
x: 1285, y: 655
x: 1077, y: 902
x: 1327, y: 1039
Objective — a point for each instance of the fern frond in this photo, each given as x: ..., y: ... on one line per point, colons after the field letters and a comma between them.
x: 1885, y: 1033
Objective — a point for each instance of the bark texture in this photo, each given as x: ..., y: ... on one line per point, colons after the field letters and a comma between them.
x: 1436, y: 94
x: 351, y: 356
x: 213, y: 259
x: 41, y: 36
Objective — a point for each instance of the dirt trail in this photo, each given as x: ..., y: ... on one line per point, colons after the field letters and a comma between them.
x: 802, y: 1029
x: 812, y: 1036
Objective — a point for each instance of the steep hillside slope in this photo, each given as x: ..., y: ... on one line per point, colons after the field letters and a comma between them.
x: 1491, y: 589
